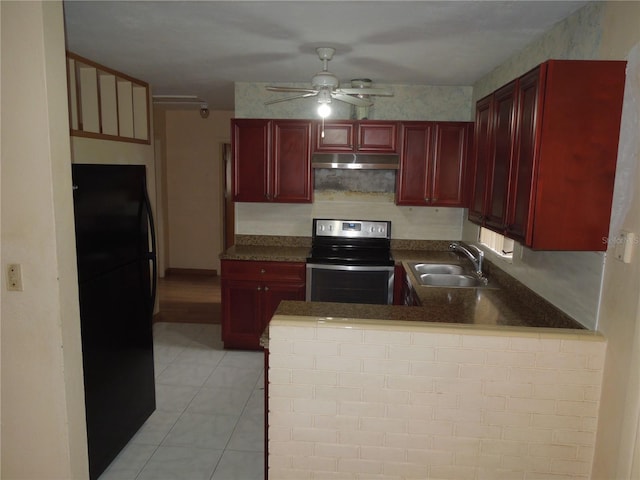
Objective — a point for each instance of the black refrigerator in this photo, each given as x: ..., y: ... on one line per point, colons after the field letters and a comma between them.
x: 117, y: 283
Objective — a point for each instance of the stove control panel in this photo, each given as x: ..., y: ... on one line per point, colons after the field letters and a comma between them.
x: 352, y: 228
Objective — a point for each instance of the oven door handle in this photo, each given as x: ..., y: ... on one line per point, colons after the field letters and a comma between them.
x: 351, y: 268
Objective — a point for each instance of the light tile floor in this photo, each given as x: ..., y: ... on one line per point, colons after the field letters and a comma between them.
x: 209, y: 418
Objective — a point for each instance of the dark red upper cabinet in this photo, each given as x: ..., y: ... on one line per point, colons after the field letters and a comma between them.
x: 450, y: 157
x: 561, y: 175
x: 291, y: 176
x: 271, y: 160
x: 520, y: 215
x: 482, y: 152
x: 377, y: 137
x: 416, y: 165
x: 334, y: 136
x: 348, y: 136
x: 503, y: 137
x: 251, y: 154
x: 433, y: 158
x: 572, y: 149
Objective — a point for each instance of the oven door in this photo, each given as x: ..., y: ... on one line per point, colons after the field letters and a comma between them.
x: 350, y: 283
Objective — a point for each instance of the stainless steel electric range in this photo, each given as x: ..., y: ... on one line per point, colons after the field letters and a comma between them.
x: 350, y: 262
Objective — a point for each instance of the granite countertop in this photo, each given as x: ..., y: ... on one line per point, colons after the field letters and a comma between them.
x: 270, y: 253
x: 510, y: 304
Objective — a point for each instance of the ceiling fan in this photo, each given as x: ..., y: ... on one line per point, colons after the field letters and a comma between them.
x: 325, y: 85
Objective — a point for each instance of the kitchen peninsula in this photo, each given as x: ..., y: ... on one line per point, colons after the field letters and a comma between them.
x: 459, y: 387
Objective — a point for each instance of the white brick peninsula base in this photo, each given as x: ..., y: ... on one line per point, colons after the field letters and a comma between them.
x: 356, y: 399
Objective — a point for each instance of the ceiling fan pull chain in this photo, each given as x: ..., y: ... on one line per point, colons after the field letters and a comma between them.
x: 322, y: 132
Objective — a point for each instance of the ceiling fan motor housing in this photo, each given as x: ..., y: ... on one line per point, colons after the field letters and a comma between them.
x: 325, y: 79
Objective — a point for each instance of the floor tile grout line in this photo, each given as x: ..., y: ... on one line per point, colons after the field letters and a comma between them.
x: 199, y: 338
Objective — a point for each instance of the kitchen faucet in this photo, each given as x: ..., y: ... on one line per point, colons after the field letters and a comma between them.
x: 477, y: 262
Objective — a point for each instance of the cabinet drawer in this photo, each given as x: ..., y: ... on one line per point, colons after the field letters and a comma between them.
x: 259, y: 270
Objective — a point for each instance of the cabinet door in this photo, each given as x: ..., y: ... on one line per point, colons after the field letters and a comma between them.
x: 377, y: 137
x: 250, y: 152
x: 414, y: 175
x: 291, y: 175
x: 242, y: 315
x: 481, y: 153
x: 274, y: 293
x: 499, y: 167
x: 335, y: 136
x: 449, y: 163
x: 577, y: 150
x: 520, y: 214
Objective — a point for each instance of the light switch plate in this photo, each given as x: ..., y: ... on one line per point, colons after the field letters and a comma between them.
x: 624, y: 246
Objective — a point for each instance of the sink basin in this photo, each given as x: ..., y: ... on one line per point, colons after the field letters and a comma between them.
x: 437, y: 268
x: 449, y: 280
x: 447, y: 275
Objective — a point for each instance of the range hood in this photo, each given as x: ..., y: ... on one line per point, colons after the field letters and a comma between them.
x: 355, y: 161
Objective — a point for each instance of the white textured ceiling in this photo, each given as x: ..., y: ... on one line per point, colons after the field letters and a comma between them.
x: 201, y: 48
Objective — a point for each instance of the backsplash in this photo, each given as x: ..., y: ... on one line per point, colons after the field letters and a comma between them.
x: 347, y: 180
x: 408, y: 223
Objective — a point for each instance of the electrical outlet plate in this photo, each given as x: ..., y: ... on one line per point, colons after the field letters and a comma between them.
x: 14, y: 277
x: 625, y: 242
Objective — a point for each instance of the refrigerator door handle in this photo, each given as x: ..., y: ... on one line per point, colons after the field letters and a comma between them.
x: 152, y: 254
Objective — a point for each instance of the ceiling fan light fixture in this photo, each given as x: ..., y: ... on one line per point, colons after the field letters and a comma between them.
x: 324, y: 110
x: 324, y: 99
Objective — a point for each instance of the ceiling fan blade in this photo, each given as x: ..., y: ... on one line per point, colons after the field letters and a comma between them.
x: 358, y: 102
x: 303, y: 95
x: 367, y: 91
x: 291, y: 89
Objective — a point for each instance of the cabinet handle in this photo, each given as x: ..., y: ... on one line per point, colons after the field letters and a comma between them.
x: 266, y: 289
x: 427, y: 199
x: 435, y: 199
x: 259, y: 288
x: 263, y: 271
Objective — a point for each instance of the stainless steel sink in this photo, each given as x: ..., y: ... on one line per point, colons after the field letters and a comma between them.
x: 450, y: 280
x: 437, y: 268
x: 447, y: 275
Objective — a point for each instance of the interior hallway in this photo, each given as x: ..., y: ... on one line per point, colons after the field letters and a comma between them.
x: 189, y: 298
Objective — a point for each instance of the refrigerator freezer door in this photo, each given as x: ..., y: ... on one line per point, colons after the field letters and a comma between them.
x: 110, y: 215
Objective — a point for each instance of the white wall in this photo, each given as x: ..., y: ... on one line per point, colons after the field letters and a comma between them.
x: 43, y: 426
x: 194, y: 187
x: 618, y: 441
